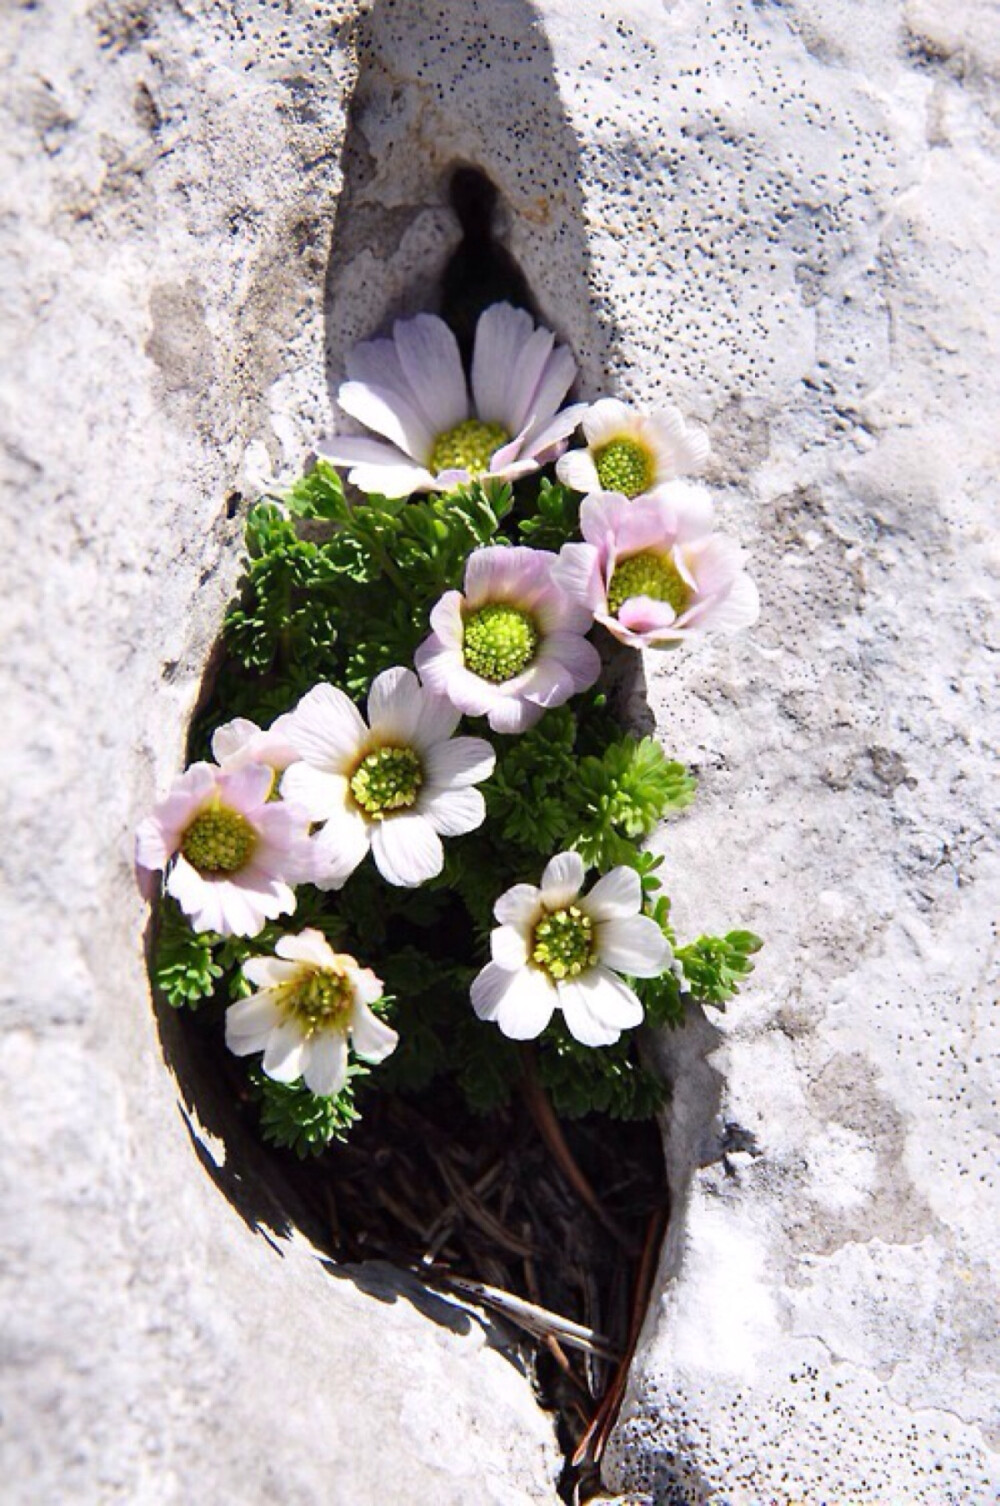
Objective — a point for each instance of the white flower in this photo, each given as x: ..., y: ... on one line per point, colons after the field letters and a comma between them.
x: 310, y: 1001
x: 411, y: 389
x: 556, y: 948
x: 231, y: 852
x: 630, y: 452
x: 240, y: 742
x: 396, y: 787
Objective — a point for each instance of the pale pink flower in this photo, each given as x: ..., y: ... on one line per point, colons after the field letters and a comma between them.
x: 396, y: 786
x: 631, y: 452
x: 230, y: 854
x: 512, y: 645
x: 411, y: 389
x: 239, y: 742
x: 310, y: 1003
x: 556, y: 948
x: 650, y: 572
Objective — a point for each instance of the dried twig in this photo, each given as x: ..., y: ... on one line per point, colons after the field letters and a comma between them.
x: 536, y: 1320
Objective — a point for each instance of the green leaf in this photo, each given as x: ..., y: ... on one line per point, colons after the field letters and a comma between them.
x: 714, y: 966
x: 295, y: 1119
x: 183, y: 966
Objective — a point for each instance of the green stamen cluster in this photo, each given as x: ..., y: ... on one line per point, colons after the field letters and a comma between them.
x: 467, y: 447
x: 319, y: 1000
x: 563, y: 943
x: 624, y: 466
x: 499, y: 641
x: 219, y: 840
x: 387, y: 780
x: 648, y: 574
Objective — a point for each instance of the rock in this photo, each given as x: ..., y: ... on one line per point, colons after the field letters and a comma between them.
x: 781, y: 218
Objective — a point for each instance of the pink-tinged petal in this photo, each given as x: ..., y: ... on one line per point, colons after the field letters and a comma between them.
x: 319, y: 794
x: 607, y: 418
x: 198, y: 899
x: 438, y: 720
x: 249, y: 899
x: 577, y: 470
x: 514, y: 469
x: 562, y: 880
x: 246, y: 789
x: 388, y: 413
x: 269, y: 972
x: 155, y: 845
x: 520, y: 906
x: 358, y: 449
x: 581, y: 1022
x: 232, y: 738
x: 688, y: 506
x: 577, y: 573
x: 499, y: 573
x: 681, y: 446
x: 458, y: 762
x: 633, y: 944
x: 576, y: 655
x: 324, y: 1063
x: 395, y: 702
x: 283, y: 1057
x: 309, y: 946
x: 603, y: 516
x: 610, y: 1000
x: 327, y: 729
x: 544, y: 441
x: 616, y: 896
x: 452, y: 813
x: 547, y: 684
x: 391, y: 481
x: 553, y: 385
x: 524, y: 377
x: 429, y: 357
x: 338, y: 848
x: 250, y: 1019
x: 642, y: 614
x: 407, y: 850
x: 509, y: 948
x: 371, y: 1037
x: 505, y: 459
x: 443, y: 672
x: 521, y: 1003
x: 501, y: 334
x: 512, y: 715
x: 447, y: 621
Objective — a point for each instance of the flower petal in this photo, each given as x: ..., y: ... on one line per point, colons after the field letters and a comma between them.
x: 371, y: 1037
x: 268, y: 972
x: 324, y: 1063
x: 501, y: 334
x: 577, y: 655
x: 395, y: 702
x: 459, y: 762
x: 390, y: 414
x: 615, y: 896
x: 581, y: 1022
x: 309, y: 946
x: 633, y: 944
x: 452, y: 813
x: 608, y: 417
x: 562, y: 879
x: 319, y: 794
x: 283, y: 1056
x: 511, y: 715
x: 542, y: 439
x: 338, y: 848
x: 553, y: 385
x: 509, y: 948
x: 577, y: 470
x: 519, y: 906
x: 407, y: 850
x: 327, y: 729
x: 610, y: 1000
x: 249, y: 1023
x: 521, y: 1003
x: 429, y: 357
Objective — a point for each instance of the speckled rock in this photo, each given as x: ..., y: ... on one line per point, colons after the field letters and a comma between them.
x: 781, y: 216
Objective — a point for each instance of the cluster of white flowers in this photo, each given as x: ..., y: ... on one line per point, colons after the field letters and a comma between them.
x: 306, y: 800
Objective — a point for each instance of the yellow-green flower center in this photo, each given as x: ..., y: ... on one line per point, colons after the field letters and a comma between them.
x: 387, y: 780
x: 219, y: 840
x: 648, y: 574
x: 563, y: 944
x: 467, y: 447
x: 499, y: 641
x: 319, y: 1000
x: 624, y: 466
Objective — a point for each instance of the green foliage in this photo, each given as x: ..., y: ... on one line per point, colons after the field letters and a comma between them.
x: 337, y: 591
x: 295, y: 1119
x: 580, y: 1080
x: 714, y: 966
x: 555, y: 519
x: 183, y: 966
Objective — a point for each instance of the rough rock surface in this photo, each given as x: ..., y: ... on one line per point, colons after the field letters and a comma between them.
x: 781, y: 216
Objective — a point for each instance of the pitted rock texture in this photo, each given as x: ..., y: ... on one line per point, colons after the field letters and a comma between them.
x: 170, y: 187
x: 778, y: 215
